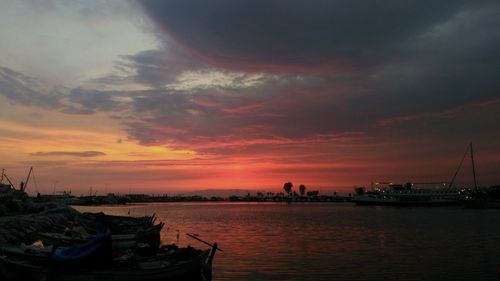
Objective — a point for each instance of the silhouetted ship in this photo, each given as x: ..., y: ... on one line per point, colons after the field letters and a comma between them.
x: 415, y: 194
x: 409, y: 194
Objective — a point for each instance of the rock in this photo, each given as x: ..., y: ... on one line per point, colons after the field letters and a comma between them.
x: 23, y: 227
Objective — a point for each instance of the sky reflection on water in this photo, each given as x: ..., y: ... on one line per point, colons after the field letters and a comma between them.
x: 335, y: 241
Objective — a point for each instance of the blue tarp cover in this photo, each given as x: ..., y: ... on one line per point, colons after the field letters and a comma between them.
x: 77, y: 252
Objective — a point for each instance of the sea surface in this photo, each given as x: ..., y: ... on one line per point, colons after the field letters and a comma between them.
x: 333, y: 241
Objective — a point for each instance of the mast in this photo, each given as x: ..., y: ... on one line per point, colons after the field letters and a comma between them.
x: 459, y: 166
x: 7, y: 178
x: 23, y: 187
x: 473, y: 167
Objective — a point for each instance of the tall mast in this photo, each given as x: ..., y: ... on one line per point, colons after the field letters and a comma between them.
x: 473, y: 167
x: 459, y: 166
x: 23, y: 187
x: 7, y: 178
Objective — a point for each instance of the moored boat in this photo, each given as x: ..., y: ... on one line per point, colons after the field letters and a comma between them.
x: 415, y: 194
x: 100, y: 222
x: 118, y: 241
x: 77, y: 235
x: 95, y: 261
x: 23, y: 269
x: 406, y: 195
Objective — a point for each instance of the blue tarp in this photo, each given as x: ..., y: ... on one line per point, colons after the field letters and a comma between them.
x: 85, y: 250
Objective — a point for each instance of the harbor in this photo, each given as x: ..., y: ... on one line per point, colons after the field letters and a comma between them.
x: 265, y: 241
x: 53, y: 241
x: 249, y: 140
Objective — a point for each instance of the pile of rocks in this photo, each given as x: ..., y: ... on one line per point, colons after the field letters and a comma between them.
x: 36, y: 217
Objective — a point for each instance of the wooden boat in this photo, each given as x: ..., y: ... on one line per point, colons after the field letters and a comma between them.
x: 118, y: 241
x: 161, y: 269
x: 150, y: 236
x: 95, y: 258
x: 101, y: 217
x: 26, y: 251
x: 94, y: 261
x: 100, y: 222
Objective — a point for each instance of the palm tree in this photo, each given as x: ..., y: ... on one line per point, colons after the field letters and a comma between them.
x: 288, y: 187
x: 302, y: 189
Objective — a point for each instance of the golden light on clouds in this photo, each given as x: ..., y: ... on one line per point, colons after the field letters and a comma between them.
x: 45, y: 139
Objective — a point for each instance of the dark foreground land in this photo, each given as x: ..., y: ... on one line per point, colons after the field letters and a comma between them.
x: 50, y: 240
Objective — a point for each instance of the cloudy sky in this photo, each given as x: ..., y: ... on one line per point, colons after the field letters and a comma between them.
x: 171, y: 96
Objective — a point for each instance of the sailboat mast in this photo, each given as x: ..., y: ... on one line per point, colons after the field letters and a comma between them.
x: 473, y: 167
x: 459, y: 167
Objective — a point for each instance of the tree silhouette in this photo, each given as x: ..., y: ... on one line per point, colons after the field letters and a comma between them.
x: 288, y: 187
x: 302, y: 189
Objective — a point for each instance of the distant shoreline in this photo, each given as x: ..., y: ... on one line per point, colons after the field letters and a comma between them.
x: 112, y: 199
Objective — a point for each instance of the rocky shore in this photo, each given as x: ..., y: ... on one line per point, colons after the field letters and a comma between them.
x: 20, y: 220
x: 119, y: 248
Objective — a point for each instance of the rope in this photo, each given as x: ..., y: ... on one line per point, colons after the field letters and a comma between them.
x: 459, y: 167
x: 34, y: 179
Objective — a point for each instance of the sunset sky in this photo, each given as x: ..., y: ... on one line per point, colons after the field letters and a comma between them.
x: 175, y: 96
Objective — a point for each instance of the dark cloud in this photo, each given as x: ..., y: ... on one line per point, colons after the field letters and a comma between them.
x: 28, y: 91
x: 324, y: 69
x: 94, y: 100
x: 270, y: 110
x: 359, y: 63
x: 22, y: 89
x: 301, y: 33
x: 70, y: 153
x: 155, y: 68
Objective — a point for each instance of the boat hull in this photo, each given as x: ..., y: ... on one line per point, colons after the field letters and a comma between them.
x: 25, y: 270
x: 408, y: 200
x: 406, y: 204
x: 118, y: 241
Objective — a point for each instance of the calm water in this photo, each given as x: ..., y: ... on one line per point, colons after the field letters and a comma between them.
x: 338, y: 241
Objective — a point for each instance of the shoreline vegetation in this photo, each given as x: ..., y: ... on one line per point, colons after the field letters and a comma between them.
x: 113, y: 199
x: 11, y: 198
x: 289, y: 195
x: 464, y: 195
x: 16, y: 201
